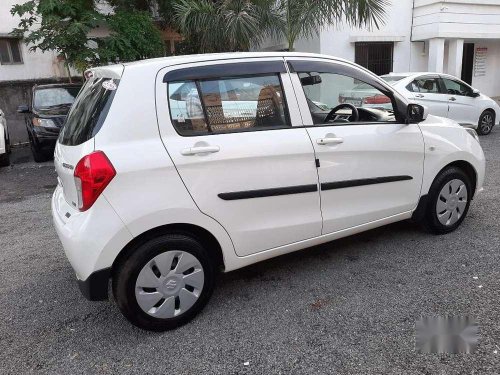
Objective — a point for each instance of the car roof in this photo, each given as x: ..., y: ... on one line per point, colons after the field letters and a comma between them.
x: 162, y: 62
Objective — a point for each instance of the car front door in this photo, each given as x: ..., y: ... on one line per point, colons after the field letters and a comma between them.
x: 428, y: 91
x: 370, y: 168
x: 231, y: 131
x: 462, y: 105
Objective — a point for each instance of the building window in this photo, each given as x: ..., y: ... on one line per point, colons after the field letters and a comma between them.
x: 10, y: 51
x: 376, y: 56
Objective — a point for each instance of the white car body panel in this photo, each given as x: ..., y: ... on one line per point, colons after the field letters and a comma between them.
x: 4, y: 132
x: 156, y: 185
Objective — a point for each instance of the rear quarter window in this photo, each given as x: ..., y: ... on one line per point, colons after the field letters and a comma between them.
x: 89, y: 111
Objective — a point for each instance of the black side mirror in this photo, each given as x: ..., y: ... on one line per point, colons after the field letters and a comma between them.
x: 416, y: 113
x: 23, y: 109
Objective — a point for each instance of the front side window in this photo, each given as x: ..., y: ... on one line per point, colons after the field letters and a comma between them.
x: 456, y: 88
x: 10, y: 52
x: 331, y: 98
x: 227, y: 105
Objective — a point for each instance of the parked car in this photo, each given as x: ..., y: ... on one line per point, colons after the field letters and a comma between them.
x: 45, y: 116
x: 4, y: 141
x: 447, y: 96
x: 164, y: 179
x: 363, y: 95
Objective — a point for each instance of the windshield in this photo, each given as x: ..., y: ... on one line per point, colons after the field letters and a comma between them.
x: 55, y: 97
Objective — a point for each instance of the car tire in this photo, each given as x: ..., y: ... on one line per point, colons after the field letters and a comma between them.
x: 38, y: 155
x: 4, y: 160
x: 486, y: 122
x: 151, y: 286
x: 448, y: 201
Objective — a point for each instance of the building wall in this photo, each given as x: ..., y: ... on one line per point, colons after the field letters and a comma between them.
x: 36, y: 65
x: 490, y: 83
x: 339, y: 40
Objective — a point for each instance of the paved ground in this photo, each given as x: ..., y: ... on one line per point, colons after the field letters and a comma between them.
x: 347, y: 307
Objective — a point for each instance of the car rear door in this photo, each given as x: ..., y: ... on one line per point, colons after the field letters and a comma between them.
x: 427, y: 90
x: 230, y: 128
x: 369, y: 170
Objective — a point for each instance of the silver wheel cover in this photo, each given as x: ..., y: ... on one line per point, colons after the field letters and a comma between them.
x: 451, y: 203
x: 169, y: 284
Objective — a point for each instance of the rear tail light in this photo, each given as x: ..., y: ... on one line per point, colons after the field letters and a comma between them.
x: 92, y: 174
x: 377, y: 99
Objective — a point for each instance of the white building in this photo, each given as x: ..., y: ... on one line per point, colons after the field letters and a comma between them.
x: 459, y: 37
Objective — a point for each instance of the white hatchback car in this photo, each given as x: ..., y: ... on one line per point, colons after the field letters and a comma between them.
x: 175, y: 168
x: 450, y: 97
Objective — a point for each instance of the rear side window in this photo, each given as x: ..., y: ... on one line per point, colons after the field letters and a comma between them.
x: 88, y: 111
x: 227, y: 105
x: 425, y: 85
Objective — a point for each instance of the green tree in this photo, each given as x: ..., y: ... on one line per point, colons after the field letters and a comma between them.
x: 226, y: 25
x: 64, y: 26
x: 234, y: 25
x: 305, y: 18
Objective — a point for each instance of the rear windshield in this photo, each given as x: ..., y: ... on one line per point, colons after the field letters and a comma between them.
x: 55, y: 97
x: 88, y: 111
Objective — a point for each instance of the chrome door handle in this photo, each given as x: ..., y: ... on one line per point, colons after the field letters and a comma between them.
x: 330, y: 141
x: 453, y: 99
x: 200, y: 150
x: 420, y: 96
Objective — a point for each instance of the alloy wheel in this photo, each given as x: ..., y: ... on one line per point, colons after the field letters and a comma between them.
x: 486, y: 123
x: 452, y: 202
x: 169, y: 284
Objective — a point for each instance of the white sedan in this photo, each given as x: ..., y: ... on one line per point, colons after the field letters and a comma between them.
x: 4, y: 141
x: 447, y: 96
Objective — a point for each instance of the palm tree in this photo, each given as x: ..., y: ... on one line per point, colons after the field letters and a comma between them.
x: 305, y: 18
x: 227, y: 25
x: 235, y: 25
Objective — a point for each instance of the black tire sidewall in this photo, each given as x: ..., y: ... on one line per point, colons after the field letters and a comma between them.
x: 125, y: 277
x: 4, y: 160
x: 432, y: 222
x: 38, y: 155
x: 479, y: 131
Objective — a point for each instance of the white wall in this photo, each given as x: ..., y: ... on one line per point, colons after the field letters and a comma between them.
x: 490, y: 83
x: 475, y: 19
x: 36, y: 65
x: 339, y: 40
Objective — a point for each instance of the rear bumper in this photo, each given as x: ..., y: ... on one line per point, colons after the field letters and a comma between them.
x: 89, y: 238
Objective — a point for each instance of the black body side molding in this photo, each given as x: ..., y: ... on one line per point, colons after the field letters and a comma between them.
x: 363, y: 182
x: 261, y: 193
